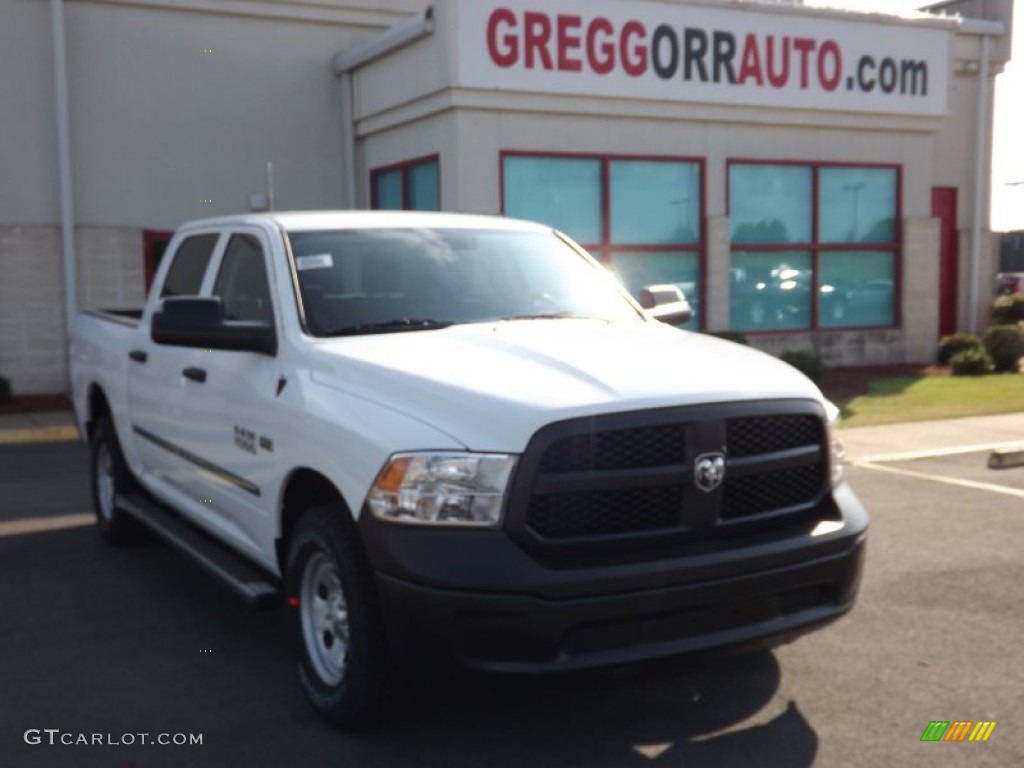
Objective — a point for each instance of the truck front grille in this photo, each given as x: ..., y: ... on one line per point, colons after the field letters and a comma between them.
x: 596, y: 513
x: 630, y: 476
x: 768, y: 434
x: 654, y: 446
x: 768, y: 491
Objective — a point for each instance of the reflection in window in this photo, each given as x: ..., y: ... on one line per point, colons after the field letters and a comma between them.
x: 423, y: 181
x: 824, y: 283
x: 190, y: 261
x: 857, y: 205
x: 639, y: 269
x: 388, y: 190
x: 770, y: 203
x: 655, y: 202
x: 242, y: 281
x: 411, y: 186
x: 642, y: 218
x: 857, y: 289
x: 771, y: 291
x: 560, y: 191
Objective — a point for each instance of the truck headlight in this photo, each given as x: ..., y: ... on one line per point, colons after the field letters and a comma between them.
x: 455, y: 489
x: 837, y: 454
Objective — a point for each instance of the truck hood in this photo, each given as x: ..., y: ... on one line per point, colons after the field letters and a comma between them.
x: 490, y: 386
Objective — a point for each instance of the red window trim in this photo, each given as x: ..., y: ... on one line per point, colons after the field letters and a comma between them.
x: 150, y: 238
x: 404, y: 167
x: 815, y: 248
x: 603, y: 250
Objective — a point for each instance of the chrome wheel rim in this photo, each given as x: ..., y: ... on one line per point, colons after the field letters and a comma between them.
x: 325, y: 624
x: 105, y: 482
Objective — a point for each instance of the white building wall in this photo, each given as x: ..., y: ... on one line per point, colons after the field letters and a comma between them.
x: 172, y: 104
x: 31, y: 309
x: 28, y: 138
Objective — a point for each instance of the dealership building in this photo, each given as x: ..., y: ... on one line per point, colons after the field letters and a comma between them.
x: 814, y: 178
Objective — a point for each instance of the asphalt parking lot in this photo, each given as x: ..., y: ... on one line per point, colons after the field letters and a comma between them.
x: 123, y: 642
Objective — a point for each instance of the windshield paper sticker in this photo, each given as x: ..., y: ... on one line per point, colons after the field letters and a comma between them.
x: 316, y: 261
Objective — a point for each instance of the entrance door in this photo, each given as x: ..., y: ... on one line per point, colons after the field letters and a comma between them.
x: 944, y: 209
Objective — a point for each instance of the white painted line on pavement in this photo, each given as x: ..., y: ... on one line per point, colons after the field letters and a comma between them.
x: 38, y: 435
x: 947, y: 480
x: 43, y: 524
x: 937, y: 452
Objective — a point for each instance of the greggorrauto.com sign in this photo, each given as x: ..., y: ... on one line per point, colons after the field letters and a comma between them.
x: 702, y: 54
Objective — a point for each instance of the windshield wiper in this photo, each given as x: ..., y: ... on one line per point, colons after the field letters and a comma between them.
x: 392, y: 326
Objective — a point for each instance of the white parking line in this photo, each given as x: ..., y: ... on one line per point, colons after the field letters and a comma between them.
x: 942, y: 479
x: 42, y: 524
x: 937, y: 452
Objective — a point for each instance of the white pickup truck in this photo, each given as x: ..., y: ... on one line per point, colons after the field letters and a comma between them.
x: 455, y: 443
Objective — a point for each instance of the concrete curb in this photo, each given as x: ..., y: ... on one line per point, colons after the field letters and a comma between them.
x: 1006, y: 459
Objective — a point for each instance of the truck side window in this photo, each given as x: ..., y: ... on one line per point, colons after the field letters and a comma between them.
x: 190, y: 261
x: 242, y: 282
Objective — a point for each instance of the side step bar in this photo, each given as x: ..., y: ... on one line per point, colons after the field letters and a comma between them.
x: 254, y: 586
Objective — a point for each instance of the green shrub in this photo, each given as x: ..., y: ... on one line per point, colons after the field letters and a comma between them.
x: 1005, y: 345
x: 5, y: 389
x: 950, y: 346
x: 807, y: 361
x: 1007, y: 310
x: 735, y: 336
x: 971, y: 362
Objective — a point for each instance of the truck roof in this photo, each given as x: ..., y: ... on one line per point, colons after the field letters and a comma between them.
x: 315, y: 220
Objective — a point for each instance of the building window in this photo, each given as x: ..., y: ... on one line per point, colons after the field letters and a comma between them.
x: 814, y: 247
x: 414, y: 185
x: 643, y: 218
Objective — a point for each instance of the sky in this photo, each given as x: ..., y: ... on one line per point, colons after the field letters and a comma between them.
x: 1008, y: 147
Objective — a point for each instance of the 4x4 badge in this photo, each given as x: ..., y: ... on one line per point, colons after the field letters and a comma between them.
x: 709, y: 471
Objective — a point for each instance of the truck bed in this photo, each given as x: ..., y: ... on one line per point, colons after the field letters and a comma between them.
x: 130, y: 317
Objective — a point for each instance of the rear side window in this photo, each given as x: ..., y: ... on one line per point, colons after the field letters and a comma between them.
x: 242, y: 282
x: 190, y: 261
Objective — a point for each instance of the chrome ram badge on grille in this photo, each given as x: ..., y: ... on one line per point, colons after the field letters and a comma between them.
x: 709, y: 471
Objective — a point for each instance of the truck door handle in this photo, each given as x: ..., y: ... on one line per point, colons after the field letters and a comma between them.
x: 138, y: 355
x: 196, y: 374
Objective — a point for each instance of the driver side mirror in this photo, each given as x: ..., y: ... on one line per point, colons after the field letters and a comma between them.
x: 193, y: 321
x: 665, y: 303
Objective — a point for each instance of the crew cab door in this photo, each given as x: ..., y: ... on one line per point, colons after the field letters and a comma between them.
x: 157, y: 386
x: 235, y: 425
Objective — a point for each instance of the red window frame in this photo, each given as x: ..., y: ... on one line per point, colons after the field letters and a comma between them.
x: 404, y: 166
x: 151, y: 238
x: 815, y: 247
x: 603, y: 251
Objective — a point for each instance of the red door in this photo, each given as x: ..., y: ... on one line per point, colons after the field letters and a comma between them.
x: 944, y: 209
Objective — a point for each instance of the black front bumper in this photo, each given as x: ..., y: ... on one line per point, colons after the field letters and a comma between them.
x: 476, y: 600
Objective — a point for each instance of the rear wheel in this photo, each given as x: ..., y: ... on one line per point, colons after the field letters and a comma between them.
x: 110, y: 477
x: 336, y: 631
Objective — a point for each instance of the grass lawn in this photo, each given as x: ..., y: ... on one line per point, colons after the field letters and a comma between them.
x: 920, y: 398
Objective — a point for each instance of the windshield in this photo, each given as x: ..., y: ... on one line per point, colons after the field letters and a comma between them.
x: 384, y: 280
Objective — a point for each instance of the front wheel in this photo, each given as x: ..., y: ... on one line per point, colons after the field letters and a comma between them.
x: 334, y: 622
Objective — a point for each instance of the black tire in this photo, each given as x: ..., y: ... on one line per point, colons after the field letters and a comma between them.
x: 111, y: 477
x: 335, y: 625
